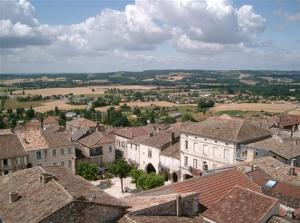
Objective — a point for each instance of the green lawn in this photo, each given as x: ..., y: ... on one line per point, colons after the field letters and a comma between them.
x: 187, y: 108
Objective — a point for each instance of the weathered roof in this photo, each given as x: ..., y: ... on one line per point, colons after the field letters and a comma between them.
x: 50, y: 120
x: 227, y: 129
x: 10, y: 146
x: 37, y: 139
x: 97, y: 138
x: 277, y: 170
x: 172, y: 151
x: 56, y: 139
x: 287, y: 120
x: 82, y: 122
x: 288, y: 194
x: 211, y: 187
x: 39, y: 200
x: 159, y: 140
x: 241, y: 205
x: 285, y: 148
x: 276, y: 219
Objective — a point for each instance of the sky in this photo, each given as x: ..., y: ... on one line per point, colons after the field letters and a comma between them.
x: 72, y: 36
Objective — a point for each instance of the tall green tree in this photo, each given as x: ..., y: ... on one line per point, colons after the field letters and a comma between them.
x: 120, y: 168
x: 87, y: 170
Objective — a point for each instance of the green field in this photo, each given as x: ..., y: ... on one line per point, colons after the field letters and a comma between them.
x: 13, y: 104
x: 232, y: 113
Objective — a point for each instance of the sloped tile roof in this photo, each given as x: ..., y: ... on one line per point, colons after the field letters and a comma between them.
x: 287, y: 193
x: 277, y: 170
x: 38, y: 200
x: 285, y: 148
x: 211, y: 187
x: 10, y: 146
x: 132, y: 132
x: 172, y: 151
x: 159, y: 219
x: 50, y: 120
x: 241, y: 205
x: 228, y: 129
x: 97, y: 138
x: 82, y: 122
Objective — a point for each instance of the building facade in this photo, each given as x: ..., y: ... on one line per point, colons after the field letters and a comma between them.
x: 217, y: 142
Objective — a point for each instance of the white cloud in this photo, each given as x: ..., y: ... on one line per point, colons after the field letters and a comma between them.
x: 288, y: 16
x: 187, y: 29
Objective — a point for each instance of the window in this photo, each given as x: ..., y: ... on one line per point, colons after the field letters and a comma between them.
x: 70, y: 150
x: 215, y: 151
x: 195, y: 147
x: 70, y: 164
x: 45, y: 153
x: 54, y: 164
x: 186, y: 161
x: 149, y: 153
x: 5, y: 162
x: 205, y: 149
x: 195, y: 163
x: 62, y: 163
x: 5, y: 172
x: 226, y: 154
x: 110, y: 148
x: 123, y: 144
x: 21, y: 160
x: 54, y: 152
x: 204, y: 165
x: 96, y: 151
x: 186, y: 144
x: 62, y: 152
x: 38, y: 155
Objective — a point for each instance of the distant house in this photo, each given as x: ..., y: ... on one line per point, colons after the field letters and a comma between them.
x: 216, y: 142
x: 75, y: 124
x: 97, y: 147
x: 54, y: 194
x: 51, y: 123
x: 12, y: 154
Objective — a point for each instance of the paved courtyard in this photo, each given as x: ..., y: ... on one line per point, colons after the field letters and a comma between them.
x: 115, y: 188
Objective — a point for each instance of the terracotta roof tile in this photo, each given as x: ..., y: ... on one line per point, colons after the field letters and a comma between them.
x: 97, y: 138
x: 241, y: 205
x: 82, y: 122
x: 211, y: 187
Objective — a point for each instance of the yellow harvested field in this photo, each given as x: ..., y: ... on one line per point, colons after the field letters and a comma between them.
x: 47, y: 106
x: 82, y: 90
x: 275, y: 108
x: 295, y: 111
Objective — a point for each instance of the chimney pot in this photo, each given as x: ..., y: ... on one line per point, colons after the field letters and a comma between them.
x: 13, y: 196
x: 45, y: 178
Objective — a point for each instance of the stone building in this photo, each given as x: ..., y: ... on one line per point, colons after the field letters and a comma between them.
x: 97, y: 147
x: 124, y: 135
x: 48, y: 148
x: 54, y: 194
x: 217, y: 142
x: 12, y: 154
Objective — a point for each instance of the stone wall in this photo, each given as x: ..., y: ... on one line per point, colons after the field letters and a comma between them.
x: 189, y: 207
x: 81, y: 211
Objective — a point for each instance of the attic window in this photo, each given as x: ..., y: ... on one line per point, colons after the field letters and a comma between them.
x: 226, y: 143
x: 216, y: 141
x: 205, y: 139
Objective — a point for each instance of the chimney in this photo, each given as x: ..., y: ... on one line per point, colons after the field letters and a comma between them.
x: 172, y: 140
x: 45, y: 178
x: 13, y: 196
x: 292, y: 169
x: 259, y: 124
x: 178, y: 205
